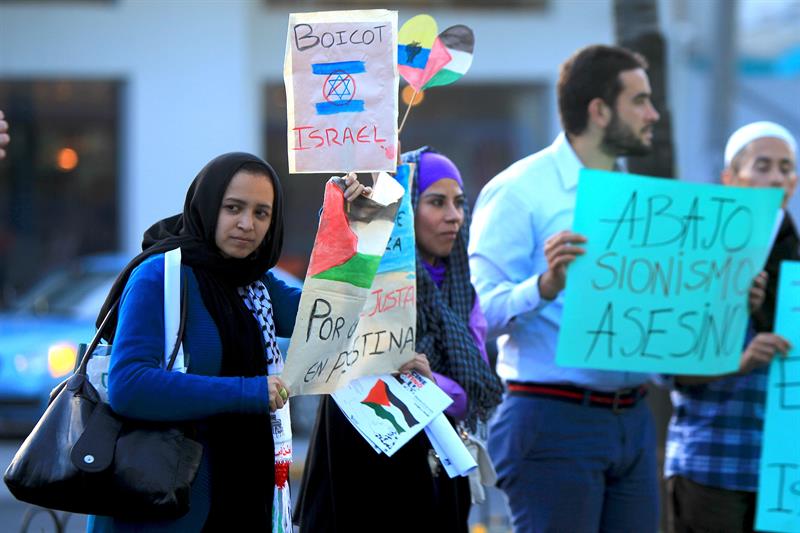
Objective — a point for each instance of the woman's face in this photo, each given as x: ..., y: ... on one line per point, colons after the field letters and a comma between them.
x: 439, y: 215
x: 245, y: 214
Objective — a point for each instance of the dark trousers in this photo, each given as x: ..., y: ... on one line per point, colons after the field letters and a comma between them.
x: 696, y: 508
x: 569, y: 468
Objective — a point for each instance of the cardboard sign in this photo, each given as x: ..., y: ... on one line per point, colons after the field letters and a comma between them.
x: 663, y: 286
x: 357, y: 313
x: 341, y: 82
x: 778, y: 502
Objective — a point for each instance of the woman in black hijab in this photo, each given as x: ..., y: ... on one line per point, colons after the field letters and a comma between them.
x: 230, y: 234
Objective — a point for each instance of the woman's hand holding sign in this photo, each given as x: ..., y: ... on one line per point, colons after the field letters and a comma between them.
x: 560, y: 250
x: 4, y: 137
x: 421, y: 364
x: 278, y: 393
x: 355, y: 188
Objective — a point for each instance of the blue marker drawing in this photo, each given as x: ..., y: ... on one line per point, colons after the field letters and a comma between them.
x: 339, y: 87
x: 348, y: 67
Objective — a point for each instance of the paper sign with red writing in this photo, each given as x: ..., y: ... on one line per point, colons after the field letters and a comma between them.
x: 341, y: 82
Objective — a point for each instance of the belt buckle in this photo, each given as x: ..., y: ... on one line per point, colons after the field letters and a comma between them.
x: 615, y: 406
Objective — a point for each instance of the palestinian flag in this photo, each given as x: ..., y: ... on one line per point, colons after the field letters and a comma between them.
x: 351, y: 239
x: 380, y: 397
x: 457, y: 42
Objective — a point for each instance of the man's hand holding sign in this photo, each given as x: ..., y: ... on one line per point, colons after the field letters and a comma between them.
x: 560, y: 250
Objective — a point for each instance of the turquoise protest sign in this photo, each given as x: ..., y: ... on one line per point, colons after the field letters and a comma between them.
x: 663, y: 285
x: 400, y: 252
x: 778, y: 505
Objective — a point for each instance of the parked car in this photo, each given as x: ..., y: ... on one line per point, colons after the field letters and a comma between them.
x: 40, y: 334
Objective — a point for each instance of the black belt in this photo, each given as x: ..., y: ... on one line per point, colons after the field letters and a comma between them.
x: 617, y: 401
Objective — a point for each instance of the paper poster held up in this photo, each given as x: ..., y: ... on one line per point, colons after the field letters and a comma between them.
x: 341, y: 78
x: 388, y: 410
x: 778, y: 504
x: 357, y: 313
x: 663, y: 286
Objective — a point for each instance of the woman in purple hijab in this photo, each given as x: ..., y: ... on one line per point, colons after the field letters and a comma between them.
x: 346, y: 485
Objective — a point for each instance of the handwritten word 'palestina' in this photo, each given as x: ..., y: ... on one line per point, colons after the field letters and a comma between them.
x: 672, y: 275
x: 368, y: 344
x: 305, y: 38
x: 386, y: 301
x: 309, y: 137
x: 656, y: 221
x: 696, y: 333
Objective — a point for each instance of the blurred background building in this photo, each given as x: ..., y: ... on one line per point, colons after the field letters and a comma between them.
x: 115, y: 105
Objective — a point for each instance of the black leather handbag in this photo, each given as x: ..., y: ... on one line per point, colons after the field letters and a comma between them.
x: 83, y: 458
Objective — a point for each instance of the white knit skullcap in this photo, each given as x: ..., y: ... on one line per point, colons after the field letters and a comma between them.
x: 756, y: 130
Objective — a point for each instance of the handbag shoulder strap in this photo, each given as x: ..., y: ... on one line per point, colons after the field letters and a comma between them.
x: 180, y: 309
x: 87, y: 354
x: 173, y: 348
x: 178, y: 347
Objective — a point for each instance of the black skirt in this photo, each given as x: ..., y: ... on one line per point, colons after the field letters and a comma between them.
x: 348, y: 487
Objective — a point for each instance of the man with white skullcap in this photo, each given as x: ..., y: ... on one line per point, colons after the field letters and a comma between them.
x: 714, y: 437
x: 761, y: 154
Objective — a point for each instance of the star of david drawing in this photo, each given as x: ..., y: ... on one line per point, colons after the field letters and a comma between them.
x: 339, y: 88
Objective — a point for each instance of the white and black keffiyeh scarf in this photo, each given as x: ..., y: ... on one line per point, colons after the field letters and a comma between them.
x: 256, y: 299
x: 443, y: 332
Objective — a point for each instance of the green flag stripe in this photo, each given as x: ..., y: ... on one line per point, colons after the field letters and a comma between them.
x: 443, y: 77
x: 359, y: 270
x: 380, y: 412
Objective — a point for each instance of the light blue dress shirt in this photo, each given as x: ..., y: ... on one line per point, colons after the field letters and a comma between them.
x: 517, y: 211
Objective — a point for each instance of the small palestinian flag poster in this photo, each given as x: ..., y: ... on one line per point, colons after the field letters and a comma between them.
x: 334, y: 339
x: 389, y: 410
x: 341, y: 78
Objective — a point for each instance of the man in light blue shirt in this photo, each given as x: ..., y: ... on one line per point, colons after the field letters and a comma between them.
x: 574, y: 449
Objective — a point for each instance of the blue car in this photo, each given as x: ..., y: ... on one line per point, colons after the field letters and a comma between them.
x: 39, y: 335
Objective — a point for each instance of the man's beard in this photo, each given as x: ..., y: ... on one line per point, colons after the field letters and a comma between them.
x: 620, y: 140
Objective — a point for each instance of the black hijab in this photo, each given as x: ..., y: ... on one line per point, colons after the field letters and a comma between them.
x: 242, y: 462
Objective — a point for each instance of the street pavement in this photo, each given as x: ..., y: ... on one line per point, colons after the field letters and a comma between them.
x: 489, y: 517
